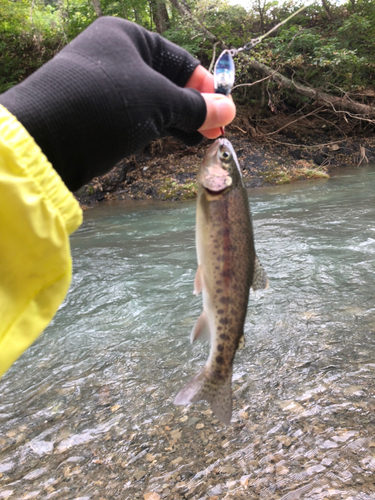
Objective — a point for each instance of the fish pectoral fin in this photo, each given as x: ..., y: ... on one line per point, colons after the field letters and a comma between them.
x: 241, y: 342
x: 260, y: 280
x: 198, y: 281
x: 201, y: 330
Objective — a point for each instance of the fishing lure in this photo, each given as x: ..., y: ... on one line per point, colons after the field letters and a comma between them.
x: 224, y: 75
x: 225, y: 71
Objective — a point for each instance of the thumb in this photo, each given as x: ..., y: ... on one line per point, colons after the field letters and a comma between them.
x: 220, y: 112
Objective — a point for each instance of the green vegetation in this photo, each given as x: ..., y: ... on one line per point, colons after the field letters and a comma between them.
x: 299, y: 170
x: 327, y: 46
x: 169, y: 189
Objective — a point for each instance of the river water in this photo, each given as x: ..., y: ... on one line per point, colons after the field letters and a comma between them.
x: 87, y: 412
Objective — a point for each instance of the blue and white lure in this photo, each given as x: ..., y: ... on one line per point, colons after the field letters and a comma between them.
x: 224, y: 73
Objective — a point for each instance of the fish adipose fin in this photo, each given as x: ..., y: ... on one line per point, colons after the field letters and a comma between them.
x: 218, y: 394
x: 201, y: 330
x: 260, y: 279
x: 198, y: 281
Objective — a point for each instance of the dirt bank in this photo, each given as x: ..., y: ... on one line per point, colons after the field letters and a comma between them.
x: 167, y: 169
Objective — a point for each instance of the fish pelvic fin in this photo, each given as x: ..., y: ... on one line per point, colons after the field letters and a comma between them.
x: 201, y: 330
x: 198, y: 281
x: 241, y: 342
x: 217, y: 393
x: 260, y: 280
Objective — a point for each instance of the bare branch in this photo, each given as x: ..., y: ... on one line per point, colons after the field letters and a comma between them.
x: 294, y: 121
x: 303, y: 146
x: 254, y: 83
x: 210, y: 69
x: 184, y: 10
x: 362, y: 152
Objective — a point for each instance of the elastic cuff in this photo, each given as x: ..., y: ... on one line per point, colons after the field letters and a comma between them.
x: 29, y: 157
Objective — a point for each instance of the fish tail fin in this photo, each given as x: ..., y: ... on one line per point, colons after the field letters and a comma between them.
x: 217, y: 393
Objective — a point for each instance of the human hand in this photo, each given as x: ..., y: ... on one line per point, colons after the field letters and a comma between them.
x: 220, y: 109
x: 109, y: 93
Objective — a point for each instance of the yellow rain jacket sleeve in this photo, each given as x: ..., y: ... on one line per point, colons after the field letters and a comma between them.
x: 37, y: 215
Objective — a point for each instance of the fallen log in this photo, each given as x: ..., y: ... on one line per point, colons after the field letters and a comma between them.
x: 343, y: 104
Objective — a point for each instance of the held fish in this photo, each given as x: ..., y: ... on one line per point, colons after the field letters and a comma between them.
x: 227, y: 268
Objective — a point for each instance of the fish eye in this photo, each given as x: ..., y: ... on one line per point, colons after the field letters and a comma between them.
x: 225, y: 155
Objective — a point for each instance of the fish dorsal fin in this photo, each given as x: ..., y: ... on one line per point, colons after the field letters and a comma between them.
x: 201, y: 330
x: 260, y: 279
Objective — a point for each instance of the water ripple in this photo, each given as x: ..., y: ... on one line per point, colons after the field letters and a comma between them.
x: 87, y: 411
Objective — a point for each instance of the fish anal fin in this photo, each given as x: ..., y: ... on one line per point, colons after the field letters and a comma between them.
x: 198, y: 281
x: 201, y: 330
x: 260, y: 280
x: 241, y: 342
x: 217, y: 393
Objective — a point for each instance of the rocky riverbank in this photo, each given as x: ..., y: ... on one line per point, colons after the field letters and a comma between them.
x: 166, y: 170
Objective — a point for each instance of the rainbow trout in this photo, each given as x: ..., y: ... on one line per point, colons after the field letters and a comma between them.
x: 227, y: 268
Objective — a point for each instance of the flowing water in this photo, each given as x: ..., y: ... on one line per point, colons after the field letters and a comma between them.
x: 87, y: 412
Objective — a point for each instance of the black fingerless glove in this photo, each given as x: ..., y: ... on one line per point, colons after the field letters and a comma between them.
x: 106, y: 95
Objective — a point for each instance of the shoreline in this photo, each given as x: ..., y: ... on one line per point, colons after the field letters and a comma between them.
x: 166, y: 170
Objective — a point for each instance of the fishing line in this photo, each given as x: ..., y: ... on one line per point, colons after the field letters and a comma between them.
x: 225, y: 71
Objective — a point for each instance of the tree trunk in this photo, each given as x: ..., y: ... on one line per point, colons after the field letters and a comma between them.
x: 261, y: 9
x: 136, y: 16
x: 159, y: 15
x: 327, y: 8
x: 321, y: 98
x: 97, y: 7
x: 125, y: 13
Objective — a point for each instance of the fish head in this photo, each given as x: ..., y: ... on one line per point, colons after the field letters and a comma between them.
x: 219, y: 170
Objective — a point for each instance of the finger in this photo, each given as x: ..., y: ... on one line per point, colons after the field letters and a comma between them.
x: 213, y: 133
x: 201, y: 80
x: 220, y: 112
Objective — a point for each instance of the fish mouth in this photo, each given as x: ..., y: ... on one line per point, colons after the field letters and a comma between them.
x: 215, y: 193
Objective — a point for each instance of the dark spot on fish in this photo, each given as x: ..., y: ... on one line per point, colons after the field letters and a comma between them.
x: 224, y: 336
x: 219, y: 327
x: 224, y: 321
x: 225, y: 300
x: 219, y: 282
x: 220, y: 348
x: 219, y: 290
x: 224, y: 232
x: 220, y: 311
x: 217, y: 375
x: 219, y: 360
x: 226, y: 273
